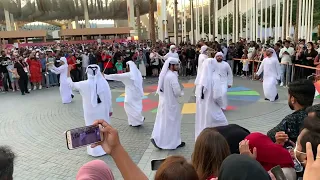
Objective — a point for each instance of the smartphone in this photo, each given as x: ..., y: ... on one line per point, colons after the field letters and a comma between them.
x: 83, y: 136
x: 156, y: 163
x: 278, y: 173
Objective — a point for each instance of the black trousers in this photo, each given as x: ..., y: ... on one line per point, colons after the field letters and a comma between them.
x: 23, y: 84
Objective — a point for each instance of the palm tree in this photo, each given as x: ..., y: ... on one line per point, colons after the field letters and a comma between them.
x: 296, y: 35
x: 137, y: 6
x: 151, y: 22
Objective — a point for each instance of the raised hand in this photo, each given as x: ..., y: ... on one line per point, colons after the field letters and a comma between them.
x: 244, y: 149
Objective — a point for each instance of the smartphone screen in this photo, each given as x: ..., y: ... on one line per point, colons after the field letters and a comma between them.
x: 83, y: 136
x: 155, y: 164
x: 278, y: 173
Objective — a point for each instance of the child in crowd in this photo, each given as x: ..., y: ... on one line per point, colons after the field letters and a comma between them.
x: 245, y: 62
x: 13, y: 75
x: 119, y: 66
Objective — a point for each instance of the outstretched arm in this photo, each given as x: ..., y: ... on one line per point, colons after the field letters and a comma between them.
x: 117, y: 77
x: 73, y: 85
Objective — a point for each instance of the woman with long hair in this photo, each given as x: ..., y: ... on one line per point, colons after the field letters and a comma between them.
x: 210, y: 150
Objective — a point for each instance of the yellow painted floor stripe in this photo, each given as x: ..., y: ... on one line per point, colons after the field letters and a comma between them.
x: 189, y: 108
x: 145, y: 94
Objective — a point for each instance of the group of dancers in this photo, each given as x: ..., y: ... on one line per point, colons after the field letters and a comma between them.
x: 213, y: 79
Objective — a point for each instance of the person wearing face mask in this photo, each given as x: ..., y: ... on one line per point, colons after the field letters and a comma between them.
x: 310, y: 133
x: 300, y: 96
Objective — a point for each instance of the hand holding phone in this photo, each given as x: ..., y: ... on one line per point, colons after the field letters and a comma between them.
x: 110, y: 140
x: 83, y: 136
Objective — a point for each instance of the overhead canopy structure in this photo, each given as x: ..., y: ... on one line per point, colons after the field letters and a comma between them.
x: 44, y: 10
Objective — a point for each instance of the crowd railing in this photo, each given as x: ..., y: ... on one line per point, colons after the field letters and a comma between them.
x: 292, y: 71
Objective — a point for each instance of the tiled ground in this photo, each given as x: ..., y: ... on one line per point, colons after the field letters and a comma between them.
x: 34, y: 125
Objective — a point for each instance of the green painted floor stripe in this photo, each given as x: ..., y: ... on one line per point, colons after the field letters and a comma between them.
x: 155, y: 110
x: 244, y: 93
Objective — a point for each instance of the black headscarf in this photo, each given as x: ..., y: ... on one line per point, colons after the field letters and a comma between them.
x: 234, y: 134
x: 242, y: 167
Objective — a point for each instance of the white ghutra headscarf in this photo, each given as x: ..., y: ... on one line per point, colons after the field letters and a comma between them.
x: 164, y: 71
x: 136, y: 76
x: 98, y: 85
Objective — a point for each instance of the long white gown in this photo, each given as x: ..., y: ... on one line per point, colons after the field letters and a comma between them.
x: 94, y: 111
x: 225, y: 72
x: 202, y: 58
x: 65, y: 90
x: 271, y: 74
x: 209, y: 113
x: 166, y: 131
x: 133, y: 93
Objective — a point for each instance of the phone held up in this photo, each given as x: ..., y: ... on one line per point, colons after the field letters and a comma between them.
x: 83, y: 136
x: 156, y: 163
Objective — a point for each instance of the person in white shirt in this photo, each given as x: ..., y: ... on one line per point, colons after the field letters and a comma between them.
x: 85, y: 64
x: 286, y: 54
x: 155, y: 60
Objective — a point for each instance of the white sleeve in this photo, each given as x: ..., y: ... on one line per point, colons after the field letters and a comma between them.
x: 278, y: 69
x: 281, y: 53
x: 176, y: 87
x: 260, y: 68
x: 73, y: 85
x: 230, y: 75
x: 117, y: 77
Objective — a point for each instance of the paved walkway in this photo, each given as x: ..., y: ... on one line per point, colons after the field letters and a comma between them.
x: 34, y: 125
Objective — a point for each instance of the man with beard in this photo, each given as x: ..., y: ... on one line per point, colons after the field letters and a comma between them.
x: 300, y: 96
x: 167, y: 127
x: 225, y: 72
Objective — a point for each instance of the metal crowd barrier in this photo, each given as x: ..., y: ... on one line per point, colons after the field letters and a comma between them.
x: 293, y: 72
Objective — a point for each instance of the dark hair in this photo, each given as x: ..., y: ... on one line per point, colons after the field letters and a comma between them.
x: 176, y: 167
x: 6, y: 163
x: 210, y: 150
x: 312, y: 135
x: 314, y: 109
x: 303, y: 91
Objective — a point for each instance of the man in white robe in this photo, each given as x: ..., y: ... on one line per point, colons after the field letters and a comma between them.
x: 96, y: 99
x: 172, y: 53
x: 201, y: 59
x: 65, y: 91
x: 166, y: 131
x: 132, y: 80
x: 225, y: 72
x: 209, y: 100
x: 270, y: 67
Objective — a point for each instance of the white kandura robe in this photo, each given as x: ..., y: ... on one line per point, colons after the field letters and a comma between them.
x: 171, y: 55
x: 271, y: 74
x: 209, y: 109
x: 132, y: 99
x: 166, y: 131
x: 201, y: 59
x: 226, y: 76
x: 65, y: 90
x: 91, y: 114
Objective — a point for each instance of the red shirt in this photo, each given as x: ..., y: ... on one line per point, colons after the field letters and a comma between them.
x: 71, y: 60
x: 105, y: 59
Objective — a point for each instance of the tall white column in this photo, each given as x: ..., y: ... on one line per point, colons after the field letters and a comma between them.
x: 261, y: 19
x: 291, y: 14
x: 130, y: 11
x: 222, y: 18
x: 270, y: 16
x: 192, y: 21
x: 251, y: 21
x: 86, y: 13
x: 216, y: 18
x: 76, y: 22
x: 256, y: 20
x: 160, y: 23
x: 12, y: 22
x: 234, y: 21
x: 197, y: 20
x: 202, y: 19
x: 247, y: 13
x: 287, y: 19
x: 228, y: 24
x: 309, y: 21
x: 283, y: 33
x: 209, y: 23
x: 8, y: 23
x: 164, y: 19
x: 303, y: 17
x: 175, y: 24
x: 237, y: 21
x: 299, y: 22
x: 265, y: 20
x: 184, y: 21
